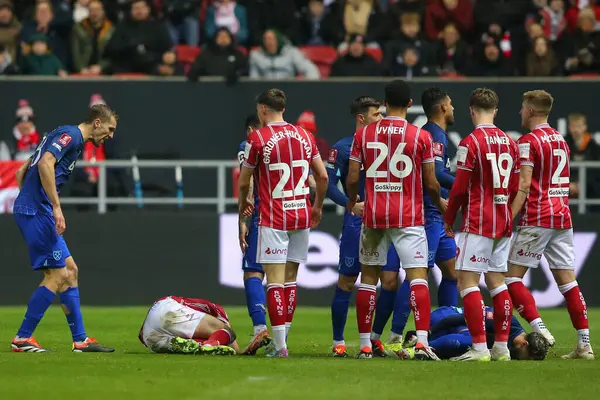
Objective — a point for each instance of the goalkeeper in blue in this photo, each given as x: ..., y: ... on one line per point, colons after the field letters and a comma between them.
x: 450, y: 337
x: 38, y: 213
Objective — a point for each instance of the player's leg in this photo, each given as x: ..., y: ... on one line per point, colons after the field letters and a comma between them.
x: 401, y: 314
x: 411, y: 245
x: 452, y: 344
x: 41, y: 238
x: 374, y: 245
x: 253, y: 284
x: 473, y: 256
x: 290, y: 290
x: 503, y: 306
x: 445, y: 258
x: 527, y: 247
x: 386, y: 300
x: 561, y: 258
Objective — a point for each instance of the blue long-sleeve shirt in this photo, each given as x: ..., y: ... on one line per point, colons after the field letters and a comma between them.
x: 442, y: 168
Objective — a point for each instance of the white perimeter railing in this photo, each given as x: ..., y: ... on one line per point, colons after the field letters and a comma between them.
x: 222, y: 168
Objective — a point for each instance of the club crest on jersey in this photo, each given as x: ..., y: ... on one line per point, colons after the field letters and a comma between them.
x: 57, y: 255
x: 438, y: 149
x: 64, y: 139
x: 332, y: 156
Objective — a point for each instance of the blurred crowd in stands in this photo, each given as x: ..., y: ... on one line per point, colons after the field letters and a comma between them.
x: 311, y: 39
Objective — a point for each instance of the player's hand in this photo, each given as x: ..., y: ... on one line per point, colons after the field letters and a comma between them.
x: 573, y: 189
x: 359, y: 209
x: 449, y: 230
x: 243, y: 233
x: 351, y: 203
x: 95, y: 70
x: 317, y: 213
x: 443, y: 206
x: 246, y: 208
x: 61, y: 225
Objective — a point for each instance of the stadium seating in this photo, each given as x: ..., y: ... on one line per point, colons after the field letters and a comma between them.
x: 322, y: 56
x: 187, y: 54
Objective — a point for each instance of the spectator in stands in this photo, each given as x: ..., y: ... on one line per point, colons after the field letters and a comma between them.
x: 7, y: 66
x: 584, y: 55
x: 81, y: 10
x: 25, y: 133
x: 410, y: 65
x: 541, y: 60
x: 272, y: 14
x: 308, y: 121
x: 10, y: 28
x: 510, y: 15
x: 441, y: 12
x: 583, y: 148
x: 40, y: 60
x: 55, y: 26
x: 359, y: 17
x: 356, y: 62
x: 89, y: 40
x: 138, y: 44
x: 406, y: 6
x: 278, y: 59
x: 491, y: 62
x: 220, y: 57
x: 183, y: 20
x: 311, y: 20
x: 553, y: 19
x: 452, y: 52
x: 170, y: 65
x: 572, y: 14
x: 227, y: 14
x: 408, y: 35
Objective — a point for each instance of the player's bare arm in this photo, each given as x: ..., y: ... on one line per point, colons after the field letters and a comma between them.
x: 243, y: 223
x: 20, y: 174
x: 457, y: 197
x: 321, y: 180
x: 352, y: 181
x: 244, y: 183
x: 524, y: 184
x: 47, y: 177
x: 433, y: 186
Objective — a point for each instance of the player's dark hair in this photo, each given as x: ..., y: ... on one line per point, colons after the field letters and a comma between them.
x: 484, y: 99
x: 397, y: 94
x: 538, y: 346
x: 273, y: 98
x: 431, y: 98
x: 252, y: 121
x: 102, y: 112
x: 362, y: 104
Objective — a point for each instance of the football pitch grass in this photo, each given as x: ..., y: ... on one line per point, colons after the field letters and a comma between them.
x: 132, y: 372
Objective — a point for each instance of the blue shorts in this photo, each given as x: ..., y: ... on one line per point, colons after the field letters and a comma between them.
x: 47, y: 249
x: 249, y: 263
x: 349, y: 265
x: 441, y: 247
x: 441, y: 313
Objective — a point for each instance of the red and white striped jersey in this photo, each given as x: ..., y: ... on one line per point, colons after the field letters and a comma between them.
x: 392, y: 152
x: 282, y: 154
x: 493, y: 158
x: 547, y: 205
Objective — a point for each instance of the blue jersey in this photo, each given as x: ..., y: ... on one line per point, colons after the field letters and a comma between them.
x: 66, y: 144
x: 442, y: 169
x: 249, y: 263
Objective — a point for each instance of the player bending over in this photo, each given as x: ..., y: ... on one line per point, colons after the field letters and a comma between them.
x: 281, y: 156
x: 38, y: 214
x: 486, y: 180
x: 545, y: 226
x: 366, y: 110
x: 442, y: 248
x: 398, y: 159
x: 450, y: 337
x: 185, y: 325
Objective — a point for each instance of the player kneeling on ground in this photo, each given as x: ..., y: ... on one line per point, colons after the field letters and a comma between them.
x: 192, y: 326
x: 450, y: 337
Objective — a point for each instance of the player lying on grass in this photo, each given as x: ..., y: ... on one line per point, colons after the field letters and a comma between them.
x: 450, y: 337
x: 186, y: 325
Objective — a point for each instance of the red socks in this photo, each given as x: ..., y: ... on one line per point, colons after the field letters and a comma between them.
x: 276, y: 304
x: 290, y: 295
x: 576, y: 305
x: 221, y: 337
x: 474, y: 313
x: 502, y: 313
x: 365, y: 307
x: 522, y: 299
x: 420, y: 304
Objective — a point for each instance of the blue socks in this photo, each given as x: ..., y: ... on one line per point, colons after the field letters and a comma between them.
x: 451, y: 345
x: 39, y: 302
x: 383, y: 310
x: 401, y: 308
x: 339, y: 312
x: 255, y: 300
x: 448, y: 293
x: 69, y: 299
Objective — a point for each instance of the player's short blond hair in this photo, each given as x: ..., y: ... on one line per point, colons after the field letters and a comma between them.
x: 484, y: 99
x: 101, y: 112
x: 540, y: 100
x: 577, y: 117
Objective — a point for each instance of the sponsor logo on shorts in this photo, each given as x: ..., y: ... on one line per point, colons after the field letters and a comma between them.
x: 431, y: 255
x: 558, y: 192
x: 388, y: 187
x: 349, y: 261
x: 419, y: 255
x: 332, y: 156
x: 57, y: 254
x: 276, y: 252
x: 532, y: 254
x: 500, y: 199
x: 64, y: 139
x: 57, y: 146
x: 294, y: 204
x: 480, y: 259
x: 369, y: 253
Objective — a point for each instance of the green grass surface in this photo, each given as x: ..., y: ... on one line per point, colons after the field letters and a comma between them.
x: 310, y: 373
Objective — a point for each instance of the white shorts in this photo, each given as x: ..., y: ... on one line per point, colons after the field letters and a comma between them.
x: 278, y: 247
x: 478, y: 253
x: 410, y: 244
x: 168, y: 319
x: 530, y: 242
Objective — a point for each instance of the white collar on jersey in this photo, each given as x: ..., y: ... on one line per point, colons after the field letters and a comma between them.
x: 395, y: 118
x: 277, y: 123
x: 485, y: 126
x: 544, y: 125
